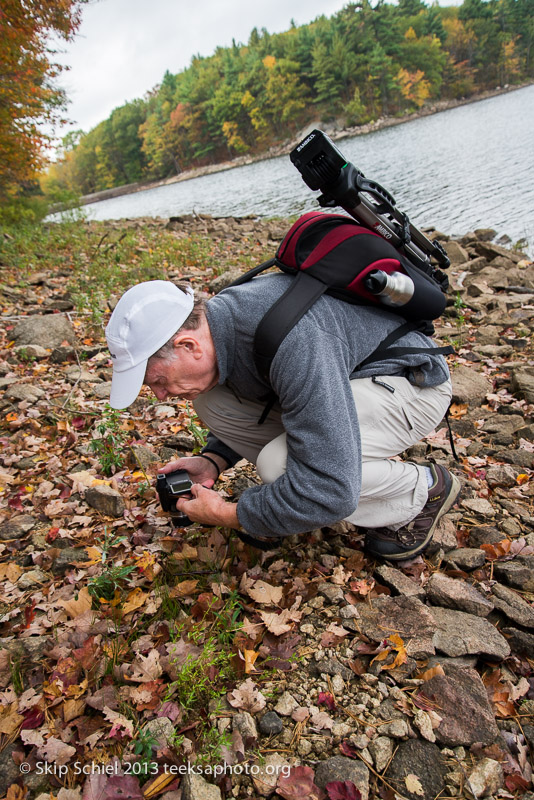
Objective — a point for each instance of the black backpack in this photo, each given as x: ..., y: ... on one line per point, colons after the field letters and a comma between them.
x: 334, y: 254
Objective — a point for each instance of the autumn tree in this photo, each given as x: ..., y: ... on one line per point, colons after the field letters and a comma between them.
x: 28, y: 94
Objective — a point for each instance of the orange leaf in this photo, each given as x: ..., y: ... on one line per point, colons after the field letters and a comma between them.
x: 522, y: 478
x: 494, y: 551
x: 458, y: 410
x: 12, y: 416
x: 250, y: 658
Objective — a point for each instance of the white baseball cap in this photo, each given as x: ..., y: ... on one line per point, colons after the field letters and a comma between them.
x: 144, y: 319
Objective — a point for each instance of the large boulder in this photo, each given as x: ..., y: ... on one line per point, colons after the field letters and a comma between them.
x: 50, y: 330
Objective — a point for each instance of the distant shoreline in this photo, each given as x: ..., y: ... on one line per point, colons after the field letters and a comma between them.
x: 333, y: 131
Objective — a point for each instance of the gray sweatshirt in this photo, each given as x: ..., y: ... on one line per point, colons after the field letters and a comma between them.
x: 310, y: 375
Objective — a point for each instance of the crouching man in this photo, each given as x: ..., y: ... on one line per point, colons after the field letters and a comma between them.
x: 325, y: 451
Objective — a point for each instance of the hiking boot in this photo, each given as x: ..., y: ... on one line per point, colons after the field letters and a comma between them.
x: 413, y: 538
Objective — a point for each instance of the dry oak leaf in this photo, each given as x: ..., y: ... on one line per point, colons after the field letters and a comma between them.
x: 250, y: 657
x: 280, y: 623
x: 121, y: 726
x: 183, y: 589
x: 10, y: 720
x: 135, y: 600
x: 77, y: 605
x: 413, y: 785
x: 146, y: 668
x: 247, y: 696
x: 261, y: 592
x: 56, y: 751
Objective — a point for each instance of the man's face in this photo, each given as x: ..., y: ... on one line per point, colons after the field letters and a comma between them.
x: 188, y: 373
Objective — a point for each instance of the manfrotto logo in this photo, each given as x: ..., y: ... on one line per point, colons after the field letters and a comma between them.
x: 383, y: 231
x: 305, y: 142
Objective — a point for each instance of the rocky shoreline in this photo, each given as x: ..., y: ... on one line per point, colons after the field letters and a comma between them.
x: 336, y: 131
x: 412, y: 681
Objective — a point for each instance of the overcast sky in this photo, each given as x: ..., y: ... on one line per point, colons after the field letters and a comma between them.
x: 124, y: 47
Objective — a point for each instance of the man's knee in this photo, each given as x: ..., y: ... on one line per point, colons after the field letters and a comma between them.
x: 272, y: 459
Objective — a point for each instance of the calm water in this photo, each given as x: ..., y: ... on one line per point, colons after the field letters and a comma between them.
x: 466, y: 168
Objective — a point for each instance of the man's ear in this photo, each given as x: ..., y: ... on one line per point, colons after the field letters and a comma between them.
x: 186, y: 343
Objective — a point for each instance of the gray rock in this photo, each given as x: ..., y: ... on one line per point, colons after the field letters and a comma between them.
x: 162, y: 729
x: 180, y: 441
x: 486, y: 778
x: 484, y: 534
x: 461, y: 634
x: 50, y: 330
x: 456, y: 253
x: 455, y: 593
x: 519, y: 573
x: 271, y: 724
x: 445, y: 534
x: 222, y: 281
x: 331, y: 666
x: 106, y: 500
x: 194, y: 787
x: 398, y: 581
x: 522, y: 383
x: 25, y: 351
x: 24, y: 391
x: 286, y: 705
x: 334, y: 594
x: 62, y: 353
x: 381, y: 749
x: 266, y: 778
x: 144, y: 456
x: 503, y: 423
x: 463, y: 662
x: 520, y: 641
x: 420, y: 758
x: 469, y: 386
x: 340, y: 768
x: 76, y: 374
x: 101, y: 390
x: 478, y: 505
x: 246, y: 725
x: 513, y: 605
x: 485, y: 234
x: 501, y: 475
x: 465, y: 558
x: 462, y: 702
x: 17, y: 527
x: 9, y: 771
x: 407, y: 616
x: 31, y: 647
x: 488, y: 334
x: 67, y: 558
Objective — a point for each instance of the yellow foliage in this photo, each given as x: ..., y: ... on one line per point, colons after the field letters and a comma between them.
x: 269, y: 61
x: 410, y: 34
x: 413, y: 86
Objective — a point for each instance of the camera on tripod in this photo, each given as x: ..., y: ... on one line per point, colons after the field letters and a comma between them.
x: 171, y: 487
x: 324, y: 168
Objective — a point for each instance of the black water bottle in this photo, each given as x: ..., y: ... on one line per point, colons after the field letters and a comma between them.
x: 393, y: 289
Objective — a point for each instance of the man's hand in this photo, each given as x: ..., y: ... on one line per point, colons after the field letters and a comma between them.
x: 208, y: 507
x: 200, y: 469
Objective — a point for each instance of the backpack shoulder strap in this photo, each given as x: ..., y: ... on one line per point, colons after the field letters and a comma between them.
x: 385, y: 351
x: 283, y: 315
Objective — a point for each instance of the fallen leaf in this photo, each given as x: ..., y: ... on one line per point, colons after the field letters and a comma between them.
x: 247, y: 696
x: 342, y: 790
x: 183, y: 589
x: 78, y: 605
x: 250, y: 659
x: 56, y: 751
x: 413, y: 785
x: 262, y: 592
x: 299, y: 784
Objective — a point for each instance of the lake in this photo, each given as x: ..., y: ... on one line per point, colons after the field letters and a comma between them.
x: 465, y: 168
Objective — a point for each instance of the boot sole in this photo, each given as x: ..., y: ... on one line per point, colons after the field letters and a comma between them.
x: 452, y: 497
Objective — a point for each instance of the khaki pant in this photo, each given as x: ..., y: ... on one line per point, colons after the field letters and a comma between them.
x: 393, y: 492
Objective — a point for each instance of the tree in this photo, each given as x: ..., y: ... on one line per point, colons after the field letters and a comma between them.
x: 28, y: 94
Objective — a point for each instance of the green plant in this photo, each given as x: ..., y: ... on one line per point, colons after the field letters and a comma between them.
x: 108, y: 447
x: 113, y: 576
x: 213, y: 742
x: 17, y: 677
x: 25, y: 355
x: 199, y: 434
x: 202, y: 679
